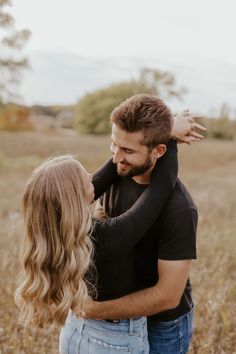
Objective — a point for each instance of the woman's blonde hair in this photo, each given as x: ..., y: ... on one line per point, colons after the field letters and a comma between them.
x: 57, y: 247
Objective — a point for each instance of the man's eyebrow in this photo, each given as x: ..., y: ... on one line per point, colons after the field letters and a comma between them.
x: 126, y: 148
x: 123, y: 147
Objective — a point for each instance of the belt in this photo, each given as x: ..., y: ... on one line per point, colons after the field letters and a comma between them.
x: 113, y: 321
x: 118, y: 321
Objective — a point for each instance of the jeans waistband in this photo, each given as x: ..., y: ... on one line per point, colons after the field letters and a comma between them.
x: 131, y: 325
x: 124, y: 325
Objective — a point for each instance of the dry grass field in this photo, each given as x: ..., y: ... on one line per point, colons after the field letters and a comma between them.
x: 208, y: 169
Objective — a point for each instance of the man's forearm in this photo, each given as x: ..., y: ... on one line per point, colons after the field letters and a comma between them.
x: 142, y: 303
x: 165, y: 295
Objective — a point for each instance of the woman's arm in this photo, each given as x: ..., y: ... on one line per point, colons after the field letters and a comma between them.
x: 127, y: 229
x: 104, y: 178
x: 183, y: 131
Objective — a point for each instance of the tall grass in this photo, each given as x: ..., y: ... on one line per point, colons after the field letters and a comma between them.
x: 208, y: 169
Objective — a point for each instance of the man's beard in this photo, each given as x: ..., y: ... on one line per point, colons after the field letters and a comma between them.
x: 136, y: 170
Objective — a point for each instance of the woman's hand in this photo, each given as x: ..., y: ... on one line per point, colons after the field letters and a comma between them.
x: 184, y: 128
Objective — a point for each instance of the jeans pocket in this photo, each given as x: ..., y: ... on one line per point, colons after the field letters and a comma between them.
x: 69, y: 341
x: 100, y: 346
x: 164, y: 334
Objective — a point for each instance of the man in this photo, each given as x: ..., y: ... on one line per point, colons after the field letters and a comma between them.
x: 161, y: 288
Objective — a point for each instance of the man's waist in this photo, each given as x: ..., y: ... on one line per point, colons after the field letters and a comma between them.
x: 172, y: 314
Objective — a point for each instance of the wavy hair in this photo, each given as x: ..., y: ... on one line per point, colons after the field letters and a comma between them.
x: 57, y: 246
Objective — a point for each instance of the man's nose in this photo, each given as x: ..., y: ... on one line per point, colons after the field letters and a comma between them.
x: 117, y: 155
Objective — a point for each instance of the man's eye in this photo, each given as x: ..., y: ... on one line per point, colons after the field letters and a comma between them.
x: 128, y: 151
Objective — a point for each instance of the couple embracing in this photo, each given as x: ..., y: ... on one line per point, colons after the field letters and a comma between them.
x: 117, y: 279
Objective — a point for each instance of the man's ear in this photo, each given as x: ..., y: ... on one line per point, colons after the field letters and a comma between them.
x: 158, y: 151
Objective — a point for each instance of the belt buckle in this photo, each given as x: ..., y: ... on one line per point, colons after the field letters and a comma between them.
x: 113, y: 321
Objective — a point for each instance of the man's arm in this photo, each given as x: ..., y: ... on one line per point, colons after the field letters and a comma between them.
x: 165, y: 295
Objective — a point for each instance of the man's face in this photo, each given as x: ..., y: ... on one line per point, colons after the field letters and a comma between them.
x: 131, y: 157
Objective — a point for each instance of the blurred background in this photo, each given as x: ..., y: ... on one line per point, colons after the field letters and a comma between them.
x: 63, y: 67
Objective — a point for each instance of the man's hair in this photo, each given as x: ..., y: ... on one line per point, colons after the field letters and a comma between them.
x: 147, y: 113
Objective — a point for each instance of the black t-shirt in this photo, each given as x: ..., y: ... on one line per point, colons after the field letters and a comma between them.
x: 171, y: 237
x: 115, y: 238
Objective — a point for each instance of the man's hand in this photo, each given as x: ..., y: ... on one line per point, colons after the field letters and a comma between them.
x: 184, y: 128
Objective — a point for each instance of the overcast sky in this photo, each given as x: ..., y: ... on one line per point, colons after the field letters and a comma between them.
x: 130, y: 27
x: 183, y: 31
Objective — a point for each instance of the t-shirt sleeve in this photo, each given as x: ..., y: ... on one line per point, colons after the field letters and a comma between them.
x: 128, y: 228
x: 177, y: 237
x: 104, y: 178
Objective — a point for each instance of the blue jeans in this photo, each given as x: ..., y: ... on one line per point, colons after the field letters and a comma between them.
x: 172, y: 337
x: 81, y: 336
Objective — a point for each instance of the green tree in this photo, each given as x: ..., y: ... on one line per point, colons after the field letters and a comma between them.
x: 93, y: 110
x: 12, y: 62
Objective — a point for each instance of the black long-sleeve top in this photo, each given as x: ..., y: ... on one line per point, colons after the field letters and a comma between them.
x: 115, y: 238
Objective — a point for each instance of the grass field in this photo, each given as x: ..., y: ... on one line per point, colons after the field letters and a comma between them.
x: 208, y: 169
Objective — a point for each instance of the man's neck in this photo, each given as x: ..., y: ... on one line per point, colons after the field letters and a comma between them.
x: 145, y: 178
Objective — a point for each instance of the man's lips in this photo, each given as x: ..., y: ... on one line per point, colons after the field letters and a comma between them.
x: 123, y: 164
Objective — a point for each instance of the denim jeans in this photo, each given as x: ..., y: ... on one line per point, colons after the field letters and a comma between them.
x: 172, y: 337
x: 82, y: 336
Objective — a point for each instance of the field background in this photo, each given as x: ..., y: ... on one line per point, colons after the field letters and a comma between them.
x: 208, y: 169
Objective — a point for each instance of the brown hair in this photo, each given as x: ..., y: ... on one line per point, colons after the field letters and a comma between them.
x: 57, y: 247
x: 147, y: 113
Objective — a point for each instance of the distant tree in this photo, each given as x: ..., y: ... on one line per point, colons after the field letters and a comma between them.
x: 225, y: 111
x: 160, y: 83
x: 15, y: 117
x: 93, y: 110
x: 11, y: 61
x: 222, y: 127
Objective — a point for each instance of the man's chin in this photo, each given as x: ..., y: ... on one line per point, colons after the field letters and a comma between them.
x: 122, y: 173
x: 131, y: 171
